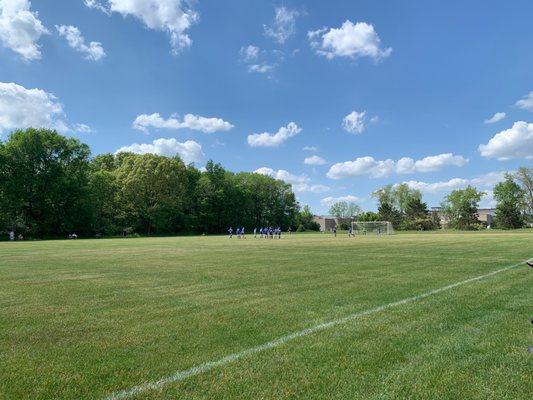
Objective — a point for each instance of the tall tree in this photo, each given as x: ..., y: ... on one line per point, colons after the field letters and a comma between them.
x: 524, y: 176
x: 460, y: 207
x: 305, y: 221
x: 44, y: 183
x: 510, y: 201
x: 343, y: 209
x: 151, y: 191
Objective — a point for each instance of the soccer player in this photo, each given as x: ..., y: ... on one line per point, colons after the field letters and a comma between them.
x: 230, y: 231
x: 255, y: 232
x: 350, y: 232
x: 242, y: 232
x: 335, y: 231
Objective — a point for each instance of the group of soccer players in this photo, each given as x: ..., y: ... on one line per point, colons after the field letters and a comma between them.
x: 266, y: 233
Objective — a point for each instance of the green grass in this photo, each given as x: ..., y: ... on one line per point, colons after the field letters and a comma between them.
x: 85, y: 318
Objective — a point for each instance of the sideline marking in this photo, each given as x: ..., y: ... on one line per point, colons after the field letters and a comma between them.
x: 207, y: 366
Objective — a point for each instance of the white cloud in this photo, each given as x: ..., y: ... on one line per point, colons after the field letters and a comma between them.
x: 189, y: 151
x: 451, y: 184
x: 380, y: 169
x: 314, y: 160
x: 362, y: 166
x: 257, y: 60
x: 300, y: 183
x: 260, y: 68
x: 249, y: 53
x: 21, y: 108
x: 310, y: 188
x: 96, y: 5
x: 20, y: 28
x: 516, y: 142
x: 328, y: 201
x: 274, y: 139
x: 82, y: 128
x: 495, y: 118
x: 355, y: 122
x: 190, y: 121
x: 407, y: 165
x: 283, y: 26
x: 310, y: 148
x: 92, y: 51
x: 526, y: 103
x: 482, y: 181
x: 174, y: 17
x: 350, y: 40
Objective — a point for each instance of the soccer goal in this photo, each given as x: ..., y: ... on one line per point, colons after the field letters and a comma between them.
x: 372, y: 228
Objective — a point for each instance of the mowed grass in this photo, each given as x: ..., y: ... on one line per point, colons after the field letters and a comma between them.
x: 86, y: 318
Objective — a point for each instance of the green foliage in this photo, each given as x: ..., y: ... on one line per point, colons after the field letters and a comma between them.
x: 49, y: 187
x: 44, y: 183
x: 510, y: 203
x: 403, y: 207
x: 524, y: 177
x: 304, y: 220
x: 343, y: 209
x: 368, y: 216
x: 460, y: 208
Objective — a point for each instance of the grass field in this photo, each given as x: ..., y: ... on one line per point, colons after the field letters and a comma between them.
x: 89, y: 318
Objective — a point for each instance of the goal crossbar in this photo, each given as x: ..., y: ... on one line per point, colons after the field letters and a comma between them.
x: 372, y: 227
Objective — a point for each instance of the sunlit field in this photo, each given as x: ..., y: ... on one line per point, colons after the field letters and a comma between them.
x: 122, y: 318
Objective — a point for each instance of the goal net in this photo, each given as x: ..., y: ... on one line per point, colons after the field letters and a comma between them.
x: 372, y: 228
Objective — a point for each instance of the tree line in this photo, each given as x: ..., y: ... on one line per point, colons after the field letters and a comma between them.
x: 50, y: 186
x: 403, y: 206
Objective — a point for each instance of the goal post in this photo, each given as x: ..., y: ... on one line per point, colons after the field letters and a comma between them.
x: 372, y: 228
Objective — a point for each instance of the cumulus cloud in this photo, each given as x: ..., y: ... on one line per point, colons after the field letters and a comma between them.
x: 189, y: 151
x: 300, y: 183
x: 350, y: 40
x: 495, y: 118
x: 368, y: 166
x: 407, y: 165
x: 21, y: 29
x: 92, y: 51
x: 144, y: 122
x: 174, y: 17
x: 362, y: 166
x: 483, y: 181
x: 274, y: 139
x: 355, y: 122
x: 21, y: 108
x: 526, y: 103
x: 283, y: 26
x: 328, y: 201
x: 314, y: 160
x: 516, y: 142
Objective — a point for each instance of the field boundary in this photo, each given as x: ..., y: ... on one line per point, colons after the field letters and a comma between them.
x: 207, y: 366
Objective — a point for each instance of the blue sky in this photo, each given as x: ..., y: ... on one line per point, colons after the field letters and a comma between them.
x: 378, y: 92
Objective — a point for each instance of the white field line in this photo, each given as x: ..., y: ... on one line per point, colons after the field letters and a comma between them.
x: 207, y: 366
